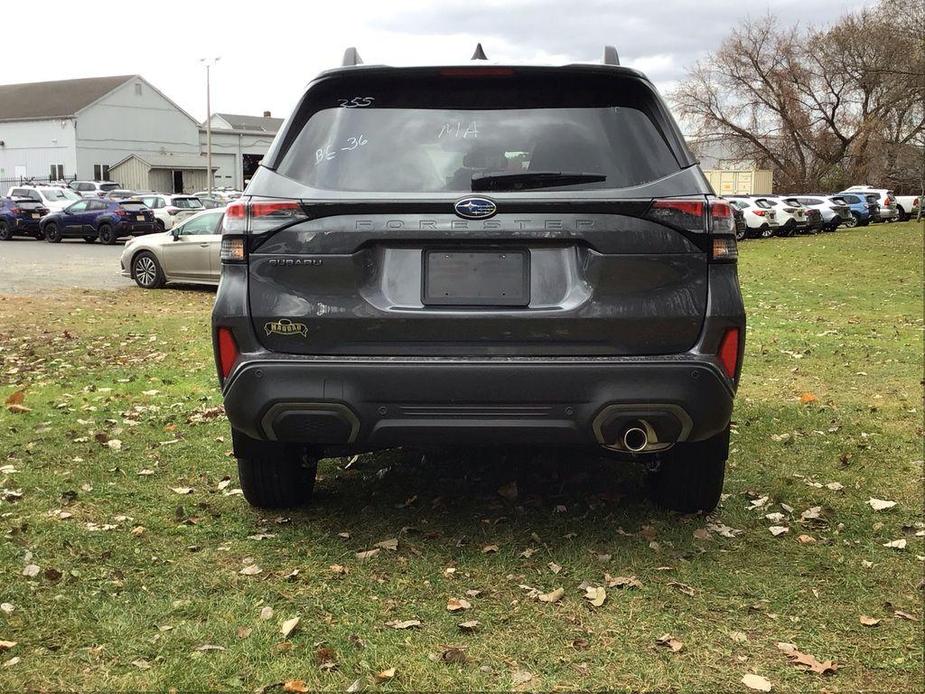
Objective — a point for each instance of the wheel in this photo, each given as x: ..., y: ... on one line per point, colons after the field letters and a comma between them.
x: 690, y: 477
x: 853, y: 221
x: 5, y: 233
x: 281, y: 477
x: 160, y: 225
x: 147, y: 271
x: 52, y: 233
x: 902, y: 215
x: 90, y: 239
x: 107, y: 235
x: 766, y: 232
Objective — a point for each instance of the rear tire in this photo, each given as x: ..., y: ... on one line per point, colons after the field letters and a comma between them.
x: 52, y: 233
x: 853, y: 221
x: 160, y: 225
x: 107, y: 235
x: 903, y: 216
x: 147, y: 272
x: 90, y: 239
x: 766, y: 232
x: 690, y: 478
x: 5, y: 233
x: 282, y: 477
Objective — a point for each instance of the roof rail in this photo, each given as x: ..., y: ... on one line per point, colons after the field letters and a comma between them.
x: 611, y: 57
x: 351, y: 57
x: 479, y: 53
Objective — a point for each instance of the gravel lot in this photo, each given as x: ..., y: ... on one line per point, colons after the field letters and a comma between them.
x: 34, y: 267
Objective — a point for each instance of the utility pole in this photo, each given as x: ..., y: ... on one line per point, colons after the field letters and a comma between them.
x: 209, y: 62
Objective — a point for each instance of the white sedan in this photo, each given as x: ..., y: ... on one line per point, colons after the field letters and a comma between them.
x: 188, y: 253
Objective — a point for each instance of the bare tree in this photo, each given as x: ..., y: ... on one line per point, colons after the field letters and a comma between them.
x: 822, y: 108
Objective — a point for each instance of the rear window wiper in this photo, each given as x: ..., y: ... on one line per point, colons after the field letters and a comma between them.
x: 532, y: 179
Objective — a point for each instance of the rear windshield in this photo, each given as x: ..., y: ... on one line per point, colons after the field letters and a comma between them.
x: 133, y: 206
x: 434, y: 133
x: 187, y: 203
x: 872, y: 198
x: 109, y: 186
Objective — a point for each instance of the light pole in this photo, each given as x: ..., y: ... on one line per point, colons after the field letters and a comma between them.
x: 209, y: 62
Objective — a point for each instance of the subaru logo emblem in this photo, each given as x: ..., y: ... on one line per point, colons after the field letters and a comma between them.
x: 475, y: 208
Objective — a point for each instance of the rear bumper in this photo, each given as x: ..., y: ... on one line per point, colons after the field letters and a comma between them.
x: 366, y: 403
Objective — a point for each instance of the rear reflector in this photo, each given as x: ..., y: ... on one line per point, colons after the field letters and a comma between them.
x: 729, y: 352
x: 725, y: 249
x: 233, y: 249
x: 227, y: 351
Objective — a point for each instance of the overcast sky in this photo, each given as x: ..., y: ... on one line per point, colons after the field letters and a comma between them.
x: 270, y: 49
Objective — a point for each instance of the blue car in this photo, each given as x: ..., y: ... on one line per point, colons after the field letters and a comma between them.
x: 863, y: 209
x: 21, y: 217
x: 106, y: 220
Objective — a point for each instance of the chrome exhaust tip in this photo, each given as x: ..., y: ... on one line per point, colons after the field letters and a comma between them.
x: 635, y: 438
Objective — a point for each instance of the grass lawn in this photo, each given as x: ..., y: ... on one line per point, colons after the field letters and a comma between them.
x: 137, y: 548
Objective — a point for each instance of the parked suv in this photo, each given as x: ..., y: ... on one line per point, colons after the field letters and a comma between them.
x: 171, y: 209
x: 93, y: 189
x: 479, y: 255
x: 885, y: 198
x: 20, y: 217
x: 106, y: 220
x: 52, y: 197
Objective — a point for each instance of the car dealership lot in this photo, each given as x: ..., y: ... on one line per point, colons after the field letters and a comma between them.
x: 35, y: 267
x: 130, y: 561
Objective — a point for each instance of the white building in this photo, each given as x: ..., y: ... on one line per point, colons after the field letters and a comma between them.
x: 86, y: 128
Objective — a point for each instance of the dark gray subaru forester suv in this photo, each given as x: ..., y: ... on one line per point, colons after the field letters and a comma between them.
x: 479, y: 255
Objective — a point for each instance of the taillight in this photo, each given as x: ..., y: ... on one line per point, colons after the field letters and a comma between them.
x: 698, y: 215
x: 258, y: 215
x: 728, y: 354
x: 120, y: 212
x: 227, y: 351
x: 760, y: 213
x: 16, y: 210
x: 888, y: 201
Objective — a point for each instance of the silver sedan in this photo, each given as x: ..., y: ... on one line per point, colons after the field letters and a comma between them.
x: 188, y: 253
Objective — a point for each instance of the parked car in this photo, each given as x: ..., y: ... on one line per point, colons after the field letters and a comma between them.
x: 761, y: 220
x: 863, y: 212
x: 106, y: 220
x: 52, y: 197
x: 120, y: 194
x: 907, y: 206
x: 226, y: 195
x: 884, y: 198
x: 170, y: 209
x: 791, y: 217
x: 833, y: 213
x: 21, y: 217
x: 211, y: 202
x: 482, y: 296
x: 815, y: 223
x: 93, y: 189
x: 187, y: 253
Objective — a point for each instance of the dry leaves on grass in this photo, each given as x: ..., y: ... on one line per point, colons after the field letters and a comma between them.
x: 896, y: 544
x: 805, y: 661
x: 457, y: 604
x: 295, y: 686
x: 289, y: 626
x: 7, y: 645
x: 756, y: 682
x: 520, y: 677
x: 250, y: 570
x: 489, y: 549
x: 622, y: 581
x: 469, y: 625
x: 367, y: 554
x: 404, y: 624
x: 385, y: 675
x: 670, y: 641
x: 880, y: 504
x: 596, y: 595
x: 683, y: 587
x: 552, y: 596
x: 868, y: 621
x: 776, y: 530
x: 390, y: 544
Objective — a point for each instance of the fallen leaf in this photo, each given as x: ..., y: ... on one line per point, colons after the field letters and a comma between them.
x: 470, y: 625
x: 7, y: 608
x: 114, y: 444
x: 683, y: 587
x: 896, y: 544
x: 521, y: 677
x: 489, y: 549
x: 622, y: 581
x: 835, y: 486
x: 453, y: 654
x: 596, y: 595
x: 182, y: 490
x: 209, y: 647
x: 555, y: 568
x: 807, y: 398
x: 266, y: 613
x: 738, y: 636
x: 367, y: 554
x: 806, y: 539
x: 142, y: 664
x: 756, y: 682
x: 31, y: 570
x: 295, y: 686
x: 7, y: 645
x: 404, y: 624
x: 869, y: 621
x: 250, y: 570
x: 805, y: 661
x: 778, y: 530
x: 880, y: 504
x: 670, y: 641
x: 338, y: 569
x: 390, y: 545
x: 811, y: 513
x: 552, y: 596
x: 385, y: 675
x: 12, y: 661
x: 243, y: 632
x: 456, y: 604
x: 326, y: 658
x: 905, y: 615
x: 581, y: 644
x: 289, y: 626
x: 18, y: 409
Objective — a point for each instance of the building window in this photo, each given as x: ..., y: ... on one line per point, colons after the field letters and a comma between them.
x: 101, y: 172
x: 137, y: 88
x: 56, y: 172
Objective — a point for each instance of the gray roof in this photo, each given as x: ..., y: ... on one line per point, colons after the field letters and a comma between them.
x: 239, y: 122
x: 169, y: 161
x: 54, y: 99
